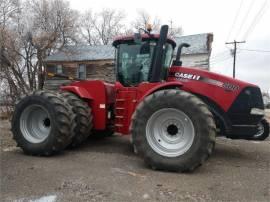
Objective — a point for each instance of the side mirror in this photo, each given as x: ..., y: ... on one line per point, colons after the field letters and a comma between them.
x: 177, y: 61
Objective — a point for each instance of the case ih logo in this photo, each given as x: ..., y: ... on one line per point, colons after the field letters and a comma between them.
x: 186, y: 76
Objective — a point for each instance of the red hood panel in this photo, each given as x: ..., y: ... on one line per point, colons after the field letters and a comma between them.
x: 221, y: 89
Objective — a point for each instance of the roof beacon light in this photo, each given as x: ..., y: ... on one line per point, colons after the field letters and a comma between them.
x: 149, y: 27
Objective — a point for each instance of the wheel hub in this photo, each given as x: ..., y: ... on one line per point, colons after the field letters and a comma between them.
x: 172, y: 129
x: 46, y: 122
x: 170, y: 132
x: 35, y: 123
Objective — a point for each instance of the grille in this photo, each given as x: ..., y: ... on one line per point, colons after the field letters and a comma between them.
x: 250, y: 97
x: 239, y: 113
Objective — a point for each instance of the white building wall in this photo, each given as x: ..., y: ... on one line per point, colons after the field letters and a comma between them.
x: 196, y: 60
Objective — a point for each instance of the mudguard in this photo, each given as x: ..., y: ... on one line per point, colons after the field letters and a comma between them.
x: 98, y: 95
x: 156, y: 87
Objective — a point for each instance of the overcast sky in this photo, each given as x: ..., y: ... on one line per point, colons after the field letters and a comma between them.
x: 227, y: 19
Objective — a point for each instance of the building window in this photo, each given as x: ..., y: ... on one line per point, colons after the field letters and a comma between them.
x: 59, y: 69
x: 50, y: 69
x: 82, y: 71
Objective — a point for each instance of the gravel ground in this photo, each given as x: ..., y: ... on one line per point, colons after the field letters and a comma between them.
x: 107, y: 170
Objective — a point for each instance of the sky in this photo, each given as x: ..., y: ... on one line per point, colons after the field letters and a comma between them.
x: 228, y: 20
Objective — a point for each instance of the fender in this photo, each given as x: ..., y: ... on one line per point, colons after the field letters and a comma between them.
x: 160, y: 86
x: 95, y: 94
x: 81, y: 92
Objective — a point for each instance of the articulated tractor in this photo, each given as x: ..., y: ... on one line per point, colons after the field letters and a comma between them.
x: 172, y: 113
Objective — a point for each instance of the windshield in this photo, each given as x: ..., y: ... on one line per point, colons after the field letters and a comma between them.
x: 134, y: 62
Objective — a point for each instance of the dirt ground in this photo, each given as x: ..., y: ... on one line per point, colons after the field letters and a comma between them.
x: 107, y: 170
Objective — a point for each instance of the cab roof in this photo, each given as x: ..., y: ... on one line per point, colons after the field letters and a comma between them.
x: 145, y: 37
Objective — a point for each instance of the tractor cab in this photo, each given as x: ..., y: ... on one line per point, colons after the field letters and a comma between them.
x: 143, y: 58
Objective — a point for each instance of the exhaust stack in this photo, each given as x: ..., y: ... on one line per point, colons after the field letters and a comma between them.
x: 156, y: 66
x: 177, y: 61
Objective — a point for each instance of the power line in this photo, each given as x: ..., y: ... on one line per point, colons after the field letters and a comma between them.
x: 221, y: 60
x: 218, y: 59
x: 219, y: 55
x: 256, y: 19
x: 255, y: 50
x: 234, y: 53
x: 245, y: 18
x: 235, y: 19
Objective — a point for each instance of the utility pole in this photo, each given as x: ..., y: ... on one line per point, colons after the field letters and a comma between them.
x: 171, y: 27
x: 234, y: 53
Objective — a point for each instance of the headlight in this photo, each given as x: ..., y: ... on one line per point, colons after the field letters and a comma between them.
x: 256, y: 111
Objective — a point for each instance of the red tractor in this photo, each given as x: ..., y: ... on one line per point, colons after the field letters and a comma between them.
x: 172, y: 113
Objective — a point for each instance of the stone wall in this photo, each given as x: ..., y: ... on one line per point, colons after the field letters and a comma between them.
x: 102, y: 70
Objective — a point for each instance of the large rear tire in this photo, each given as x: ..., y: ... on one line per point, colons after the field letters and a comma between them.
x: 83, y: 119
x: 42, y: 122
x: 173, y: 130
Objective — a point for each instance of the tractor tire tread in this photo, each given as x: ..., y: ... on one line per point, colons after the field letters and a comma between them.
x: 195, y: 105
x: 83, y: 118
x: 63, y: 124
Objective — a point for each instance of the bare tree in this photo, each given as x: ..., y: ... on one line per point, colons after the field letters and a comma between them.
x: 144, y: 18
x: 7, y: 11
x: 30, y: 31
x: 53, y: 27
x: 101, y: 27
x: 175, y: 31
x: 87, y: 28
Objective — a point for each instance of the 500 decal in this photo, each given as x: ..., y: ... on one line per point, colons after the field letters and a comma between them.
x: 187, y: 76
x: 230, y: 87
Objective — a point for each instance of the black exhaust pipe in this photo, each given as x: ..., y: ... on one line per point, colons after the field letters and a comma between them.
x: 177, y: 61
x: 156, y: 66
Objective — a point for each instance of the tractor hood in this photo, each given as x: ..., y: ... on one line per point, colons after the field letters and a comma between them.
x: 223, y: 90
x: 185, y: 74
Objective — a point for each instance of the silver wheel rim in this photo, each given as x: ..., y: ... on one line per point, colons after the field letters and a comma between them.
x: 170, y: 132
x: 35, y: 124
x: 260, y: 130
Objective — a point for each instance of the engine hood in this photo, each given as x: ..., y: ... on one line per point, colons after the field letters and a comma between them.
x: 186, y: 74
x: 220, y: 89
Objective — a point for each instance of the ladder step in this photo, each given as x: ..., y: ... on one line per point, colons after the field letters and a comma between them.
x: 119, y: 117
x: 120, y: 100
x: 120, y: 108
